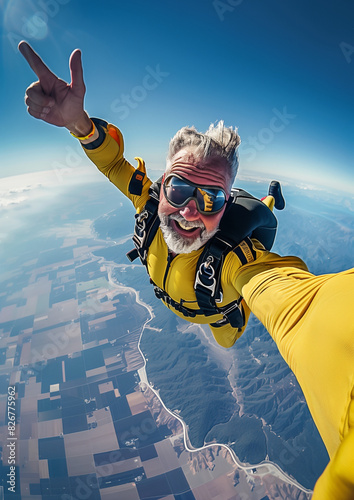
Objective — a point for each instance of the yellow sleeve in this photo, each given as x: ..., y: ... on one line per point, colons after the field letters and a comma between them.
x: 109, y: 159
x: 265, y: 261
x: 235, y: 274
x: 337, y: 481
x: 310, y: 319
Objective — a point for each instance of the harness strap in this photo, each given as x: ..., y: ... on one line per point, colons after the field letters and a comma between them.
x: 146, y: 225
x: 233, y: 313
x: 161, y: 294
x: 207, y: 282
x: 245, y: 251
x: 209, y: 267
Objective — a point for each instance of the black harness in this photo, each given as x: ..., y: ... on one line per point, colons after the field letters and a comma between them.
x: 245, y: 217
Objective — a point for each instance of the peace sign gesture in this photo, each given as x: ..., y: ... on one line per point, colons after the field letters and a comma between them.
x: 54, y: 101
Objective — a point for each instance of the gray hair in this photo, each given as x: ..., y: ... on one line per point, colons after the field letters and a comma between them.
x: 218, y: 140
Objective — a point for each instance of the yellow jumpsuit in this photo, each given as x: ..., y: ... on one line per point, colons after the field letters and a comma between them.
x: 309, y: 317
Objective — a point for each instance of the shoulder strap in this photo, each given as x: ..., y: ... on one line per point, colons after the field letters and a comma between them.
x: 245, y: 217
x: 146, y: 225
x: 207, y: 283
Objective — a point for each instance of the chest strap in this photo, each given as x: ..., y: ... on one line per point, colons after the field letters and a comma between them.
x: 233, y: 313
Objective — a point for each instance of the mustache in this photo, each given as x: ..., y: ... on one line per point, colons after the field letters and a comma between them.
x: 191, y: 223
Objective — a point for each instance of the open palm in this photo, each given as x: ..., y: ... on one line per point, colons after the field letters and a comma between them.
x: 51, y: 99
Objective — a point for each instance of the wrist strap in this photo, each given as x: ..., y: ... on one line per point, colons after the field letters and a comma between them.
x: 86, y: 136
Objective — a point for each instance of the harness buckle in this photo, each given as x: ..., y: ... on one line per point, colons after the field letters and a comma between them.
x: 139, y: 236
x: 140, y: 226
x: 142, y: 216
x: 220, y: 298
x: 235, y: 314
x: 233, y: 306
x: 205, y: 275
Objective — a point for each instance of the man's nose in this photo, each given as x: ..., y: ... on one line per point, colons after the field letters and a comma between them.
x: 189, y: 211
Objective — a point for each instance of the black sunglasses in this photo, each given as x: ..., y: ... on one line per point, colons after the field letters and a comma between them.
x: 179, y: 192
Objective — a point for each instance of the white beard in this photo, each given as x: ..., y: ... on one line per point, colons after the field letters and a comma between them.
x: 175, y: 242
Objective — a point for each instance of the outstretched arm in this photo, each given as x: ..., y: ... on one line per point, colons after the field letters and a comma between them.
x: 311, y: 320
x: 62, y: 104
x: 55, y: 101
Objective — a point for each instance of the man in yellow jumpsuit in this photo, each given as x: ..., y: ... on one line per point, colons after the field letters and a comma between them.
x: 309, y: 317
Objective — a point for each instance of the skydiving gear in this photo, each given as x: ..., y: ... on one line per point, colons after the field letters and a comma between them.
x: 244, y: 217
x: 178, y: 192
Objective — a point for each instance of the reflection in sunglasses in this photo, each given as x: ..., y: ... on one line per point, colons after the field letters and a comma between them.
x: 208, y: 202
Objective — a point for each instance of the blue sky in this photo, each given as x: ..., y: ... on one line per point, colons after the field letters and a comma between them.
x: 281, y: 71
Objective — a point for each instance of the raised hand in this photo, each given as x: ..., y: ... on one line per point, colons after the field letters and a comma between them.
x: 54, y: 101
